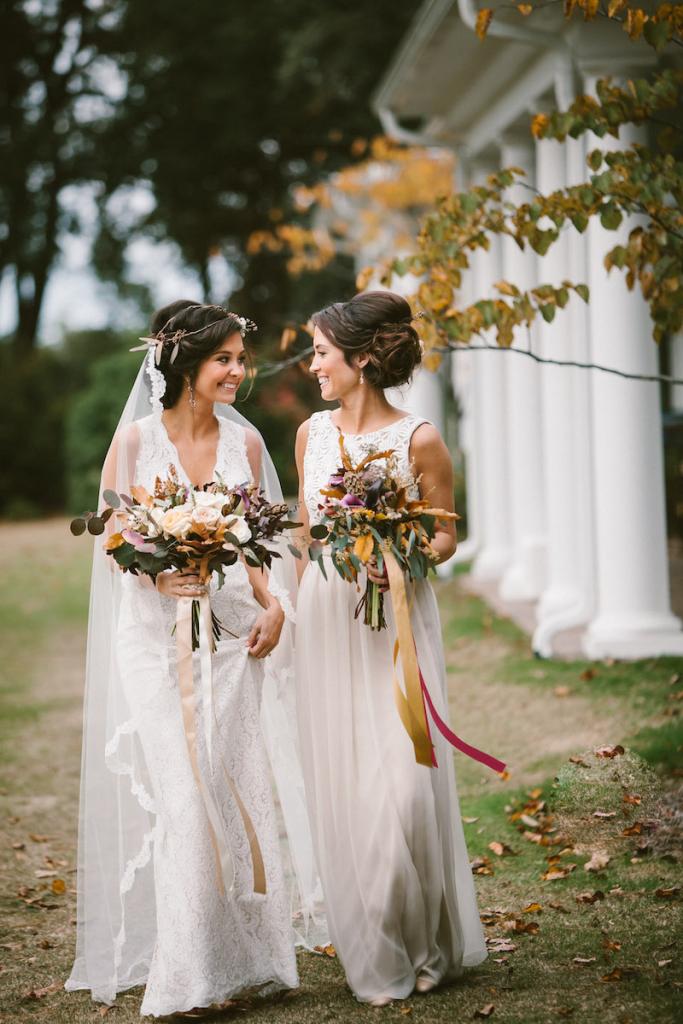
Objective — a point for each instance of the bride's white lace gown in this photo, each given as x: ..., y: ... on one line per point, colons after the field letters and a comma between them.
x: 208, y: 946
x: 388, y: 835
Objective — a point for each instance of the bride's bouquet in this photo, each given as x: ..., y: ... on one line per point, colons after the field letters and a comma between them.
x: 368, y: 514
x: 202, y: 529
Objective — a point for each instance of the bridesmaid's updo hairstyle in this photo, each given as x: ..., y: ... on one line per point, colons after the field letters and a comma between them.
x: 377, y: 324
x: 198, y: 330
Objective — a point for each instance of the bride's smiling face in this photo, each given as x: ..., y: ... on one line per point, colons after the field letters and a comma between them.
x: 335, y: 377
x: 221, y: 374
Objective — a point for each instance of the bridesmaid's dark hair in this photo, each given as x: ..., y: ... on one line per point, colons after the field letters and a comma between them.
x: 377, y: 324
x: 201, y: 329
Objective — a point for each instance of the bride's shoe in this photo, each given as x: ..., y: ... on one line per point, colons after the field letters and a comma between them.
x: 424, y: 983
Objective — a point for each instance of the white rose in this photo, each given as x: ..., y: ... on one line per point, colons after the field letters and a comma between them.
x: 238, y: 526
x: 205, y: 499
x: 178, y: 521
x: 205, y: 519
x: 156, y: 514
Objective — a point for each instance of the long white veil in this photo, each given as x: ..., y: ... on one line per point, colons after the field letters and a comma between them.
x: 116, y: 909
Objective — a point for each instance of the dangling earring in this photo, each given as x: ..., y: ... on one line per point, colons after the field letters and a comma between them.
x: 193, y: 400
x: 362, y: 377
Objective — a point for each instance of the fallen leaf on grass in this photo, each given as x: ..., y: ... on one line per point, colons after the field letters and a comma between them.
x: 590, y: 897
x: 609, y: 751
x: 633, y: 830
x: 604, y: 814
x: 668, y: 894
x: 502, y: 850
x: 406, y: 1010
x: 18, y: 846
x: 664, y: 963
x: 530, y: 822
x: 555, y: 872
x: 38, y: 838
x: 583, y: 961
x: 481, y: 866
x: 40, y: 993
x: 597, y: 862
x: 44, y: 873
x: 631, y: 798
x: 525, y: 927
x: 46, y: 944
x: 489, y: 917
x: 104, y: 1010
x: 327, y: 950
x: 470, y: 821
x: 501, y: 945
x: 559, y: 906
x: 587, y: 675
x: 575, y: 759
x: 562, y: 691
x: 533, y: 908
x: 58, y: 886
x: 621, y: 973
x: 611, y: 945
x: 485, y: 1011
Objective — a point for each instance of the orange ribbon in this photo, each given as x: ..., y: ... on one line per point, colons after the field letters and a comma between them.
x: 225, y: 865
x: 410, y: 705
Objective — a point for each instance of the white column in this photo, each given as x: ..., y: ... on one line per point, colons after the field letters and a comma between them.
x: 489, y: 407
x: 566, y: 599
x: 634, y: 617
x: 524, y: 577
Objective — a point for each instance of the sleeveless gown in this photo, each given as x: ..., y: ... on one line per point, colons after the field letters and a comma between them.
x: 209, y: 946
x: 388, y: 835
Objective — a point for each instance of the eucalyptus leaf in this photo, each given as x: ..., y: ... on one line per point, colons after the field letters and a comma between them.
x: 319, y: 531
x: 111, y: 497
x: 77, y: 527
x: 95, y: 526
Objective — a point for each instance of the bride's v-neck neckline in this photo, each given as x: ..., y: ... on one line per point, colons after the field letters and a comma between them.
x: 180, y: 466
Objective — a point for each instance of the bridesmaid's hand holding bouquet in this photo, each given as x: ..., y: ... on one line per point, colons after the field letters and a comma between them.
x: 369, y: 521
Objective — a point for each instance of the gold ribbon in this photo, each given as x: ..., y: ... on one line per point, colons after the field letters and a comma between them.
x: 225, y: 865
x: 410, y: 704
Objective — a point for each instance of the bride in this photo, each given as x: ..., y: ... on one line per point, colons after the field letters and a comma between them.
x: 398, y: 888
x: 156, y: 903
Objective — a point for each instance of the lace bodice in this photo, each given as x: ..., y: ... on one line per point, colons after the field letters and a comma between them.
x: 322, y: 455
x: 157, y: 451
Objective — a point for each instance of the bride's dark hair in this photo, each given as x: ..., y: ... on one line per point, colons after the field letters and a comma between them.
x: 200, y: 329
x: 377, y: 324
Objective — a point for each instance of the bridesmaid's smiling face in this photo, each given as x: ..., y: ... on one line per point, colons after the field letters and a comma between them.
x: 221, y: 373
x: 335, y: 376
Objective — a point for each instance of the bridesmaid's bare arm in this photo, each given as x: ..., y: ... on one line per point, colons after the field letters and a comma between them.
x: 431, y: 461
x: 302, y: 537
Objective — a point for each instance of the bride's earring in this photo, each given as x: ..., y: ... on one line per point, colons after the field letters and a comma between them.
x: 362, y: 377
x: 193, y: 400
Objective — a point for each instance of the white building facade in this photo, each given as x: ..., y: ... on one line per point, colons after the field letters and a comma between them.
x: 565, y: 477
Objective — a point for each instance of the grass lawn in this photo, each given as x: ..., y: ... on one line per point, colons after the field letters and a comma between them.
x: 582, y: 945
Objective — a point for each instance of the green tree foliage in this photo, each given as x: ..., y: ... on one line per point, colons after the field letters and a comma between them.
x: 54, y: 102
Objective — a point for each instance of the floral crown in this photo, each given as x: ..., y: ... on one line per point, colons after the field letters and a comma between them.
x: 173, y: 339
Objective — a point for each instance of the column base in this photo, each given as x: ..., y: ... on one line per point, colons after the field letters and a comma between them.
x: 490, y: 563
x: 631, y: 637
x: 524, y: 579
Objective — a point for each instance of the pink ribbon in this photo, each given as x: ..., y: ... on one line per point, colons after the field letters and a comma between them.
x: 455, y: 741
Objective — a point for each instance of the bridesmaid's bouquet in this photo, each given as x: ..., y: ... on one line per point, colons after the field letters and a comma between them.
x: 202, y: 529
x: 368, y: 514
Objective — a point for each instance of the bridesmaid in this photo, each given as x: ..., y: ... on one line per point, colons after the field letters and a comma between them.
x: 402, y: 911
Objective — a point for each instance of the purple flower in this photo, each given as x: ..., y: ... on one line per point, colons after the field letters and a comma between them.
x: 139, y: 542
x: 352, y: 501
x: 336, y: 481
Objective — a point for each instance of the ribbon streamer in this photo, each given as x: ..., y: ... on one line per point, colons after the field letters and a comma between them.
x: 412, y: 706
x: 225, y: 865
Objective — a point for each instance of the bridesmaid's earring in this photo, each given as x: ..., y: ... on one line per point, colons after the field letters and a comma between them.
x: 362, y: 377
x: 193, y: 400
